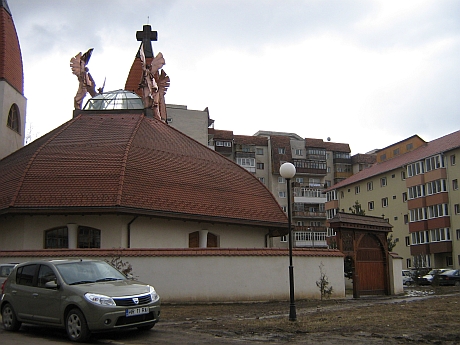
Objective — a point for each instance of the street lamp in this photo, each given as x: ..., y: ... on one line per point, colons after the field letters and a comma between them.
x: 287, y: 170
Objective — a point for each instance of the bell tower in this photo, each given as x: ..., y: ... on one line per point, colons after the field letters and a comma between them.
x: 12, y: 100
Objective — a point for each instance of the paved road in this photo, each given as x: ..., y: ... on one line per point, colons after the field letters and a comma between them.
x: 164, y: 334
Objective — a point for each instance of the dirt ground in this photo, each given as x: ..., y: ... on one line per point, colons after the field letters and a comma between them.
x: 424, y: 315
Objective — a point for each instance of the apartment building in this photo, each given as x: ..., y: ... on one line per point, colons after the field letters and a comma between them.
x: 318, y: 165
x: 414, y: 186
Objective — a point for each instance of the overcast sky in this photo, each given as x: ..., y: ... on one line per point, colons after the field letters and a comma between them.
x: 368, y: 73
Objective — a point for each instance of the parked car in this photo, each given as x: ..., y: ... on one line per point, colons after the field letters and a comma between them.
x: 82, y: 296
x: 428, y: 278
x: 407, y: 277
x: 451, y: 277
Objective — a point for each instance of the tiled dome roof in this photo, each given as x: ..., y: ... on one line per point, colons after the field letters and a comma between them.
x: 121, y: 162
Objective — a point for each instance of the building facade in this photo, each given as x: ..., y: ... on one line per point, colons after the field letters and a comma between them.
x: 319, y: 165
x: 414, y: 186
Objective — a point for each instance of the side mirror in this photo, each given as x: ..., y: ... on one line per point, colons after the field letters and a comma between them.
x: 51, y: 285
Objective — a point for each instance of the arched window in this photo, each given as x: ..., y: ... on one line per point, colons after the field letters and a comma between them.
x: 14, y: 120
x: 89, y: 237
x: 57, y: 238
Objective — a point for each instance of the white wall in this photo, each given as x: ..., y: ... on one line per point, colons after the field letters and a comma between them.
x: 221, y: 275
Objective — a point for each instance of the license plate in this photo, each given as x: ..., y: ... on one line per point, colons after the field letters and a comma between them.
x: 137, y: 311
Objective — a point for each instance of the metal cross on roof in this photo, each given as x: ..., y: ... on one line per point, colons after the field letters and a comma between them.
x: 147, y: 36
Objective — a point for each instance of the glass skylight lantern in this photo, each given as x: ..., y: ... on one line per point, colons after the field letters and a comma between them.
x: 287, y: 170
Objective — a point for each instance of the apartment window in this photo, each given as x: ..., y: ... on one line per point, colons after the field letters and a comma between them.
x: 383, y: 181
x: 298, y: 152
x: 224, y: 143
x: 434, y: 162
x: 281, y: 150
x: 416, y: 191
x: 283, y: 238
x: 262, y: 179
x: 342, y: 195
x: 282, y: 194
x: 408, y: 263
x: 417, y: 214
x: 260, y: 166
x: 456, y: 208
x: 437, y: 186
x: 246, y: 162
x: 299, y: 179
x: 458, y: 234
x: 383, y: 157
x: 281, y: 179
x: 407, y: 241
x: 416, y: 168
x: 328, y: 169
x: 328, y: 183
x: 394, y: 197
x: 370, y: 205
x: 370, y: 185
x: 449, y: 261
x: 403, y: 175
x: 439, y: 210
x: 357, y: 189
x: 384, y: 202
x: 404, y: 197
x: 409, y: 146
x: 259, y: 151
x: 406, y: 218
x: 439, y: 235
x: 396, y: 152
x: 455, y: 184
x: 452, y: 160
x: 284, y: 208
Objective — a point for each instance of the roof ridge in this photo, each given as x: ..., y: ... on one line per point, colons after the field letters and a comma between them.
x: 34, y: 156
x: 125, y: 159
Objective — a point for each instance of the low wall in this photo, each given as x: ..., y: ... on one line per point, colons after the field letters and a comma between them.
x: 217, y: 274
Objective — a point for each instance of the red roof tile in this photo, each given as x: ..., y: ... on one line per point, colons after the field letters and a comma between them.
x: 131, y: 163
x: 437, y: 146
x: 10, y: 52
x: 77, y: 253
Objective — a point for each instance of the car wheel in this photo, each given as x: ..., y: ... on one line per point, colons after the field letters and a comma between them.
x: 146, y: 328
x: 10, y: 322
x: 76, y: 327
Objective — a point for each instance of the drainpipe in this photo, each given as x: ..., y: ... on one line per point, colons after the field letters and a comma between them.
x: 129, y: 231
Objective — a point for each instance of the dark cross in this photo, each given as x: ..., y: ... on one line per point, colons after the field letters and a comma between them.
x: 147, y: 36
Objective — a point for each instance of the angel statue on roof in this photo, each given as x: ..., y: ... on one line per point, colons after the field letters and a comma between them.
x: 154, y: 84
x: 86, y: 81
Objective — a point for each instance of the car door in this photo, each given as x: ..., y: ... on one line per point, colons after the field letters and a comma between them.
x: 46, y: 300
x: 22, y: 290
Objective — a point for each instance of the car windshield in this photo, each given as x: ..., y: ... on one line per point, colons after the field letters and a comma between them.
x: 83, y: 272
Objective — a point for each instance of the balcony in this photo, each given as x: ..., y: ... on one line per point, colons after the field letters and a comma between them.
x: 310, y: 239
x: 304, y: 166
x: 309, y: 214
x: 309, y: 195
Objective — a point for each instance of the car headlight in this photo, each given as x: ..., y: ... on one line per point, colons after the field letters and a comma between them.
x: 154, y: 294
x: 99, y: 299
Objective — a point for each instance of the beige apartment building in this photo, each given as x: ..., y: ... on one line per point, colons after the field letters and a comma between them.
x: 414, y: 186
x: 319, y: 165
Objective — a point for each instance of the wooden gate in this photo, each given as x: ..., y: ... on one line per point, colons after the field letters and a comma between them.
x: 363, y: 239
x: 370, y: 266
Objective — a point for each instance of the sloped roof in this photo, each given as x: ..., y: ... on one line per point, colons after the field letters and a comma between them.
x: 354, y: 221
x: 327, y: 145
x: 128, y: 163
x: 250, y: 140
x: 443, y: 144
x: 10, y: 51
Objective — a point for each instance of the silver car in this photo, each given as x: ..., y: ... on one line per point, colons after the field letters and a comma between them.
x: 82, y: 296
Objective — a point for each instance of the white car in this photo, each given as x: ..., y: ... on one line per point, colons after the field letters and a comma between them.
x: 407, y: 278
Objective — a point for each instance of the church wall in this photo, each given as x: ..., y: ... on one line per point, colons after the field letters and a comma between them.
x: 159, y: 233
x: 11, y: 141
x: 28, y: 232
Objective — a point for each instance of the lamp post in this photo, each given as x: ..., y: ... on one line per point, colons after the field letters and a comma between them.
x: 287, y: 170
